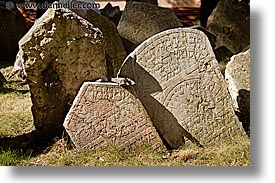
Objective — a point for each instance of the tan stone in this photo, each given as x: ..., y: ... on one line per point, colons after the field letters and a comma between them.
x: 180, y: 84
x: 59, y: 53
x: 105, y: 114
x: 237, y: 74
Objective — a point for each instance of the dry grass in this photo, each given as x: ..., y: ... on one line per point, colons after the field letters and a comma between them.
x: 16, y: 119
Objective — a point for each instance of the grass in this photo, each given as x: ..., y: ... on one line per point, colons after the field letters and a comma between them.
x: 16, y: 120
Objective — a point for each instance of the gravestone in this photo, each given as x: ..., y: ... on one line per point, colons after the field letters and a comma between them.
x: 12, y: 29
x: 230, y: 22
x: 237, y: 74
x: 106, y: 114
x: 114, y: 49
x: 179, y: 82
x: 140, y: 21
x: 59, y: 53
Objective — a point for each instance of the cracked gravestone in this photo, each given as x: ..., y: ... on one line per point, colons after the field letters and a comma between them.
x: 59, y: 53
x: 114, y: 49
x: 140, y: 21
x: 106, y: 114
x: 179, y: 82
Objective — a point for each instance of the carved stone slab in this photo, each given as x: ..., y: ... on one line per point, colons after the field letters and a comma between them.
x: 105, y: 114
x: 179, y: 82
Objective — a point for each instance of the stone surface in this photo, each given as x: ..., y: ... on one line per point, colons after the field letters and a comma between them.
x: 140, y: 21
x: 12, y: 29
x: 114, y: 49
x: 105, y: 114
x: 59, y: 53
x: 237, y: 74
x: 2, y: 80
x: 179, y: 83
x: 230, y: 22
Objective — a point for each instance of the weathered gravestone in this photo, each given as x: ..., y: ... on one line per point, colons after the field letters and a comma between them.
x: 59, y: 53
x: 114, y: 49
x: 106, y: 114
x: 237, y: 74
x: 12, y: 29
x: 140, y: 21
x: 230, y: 22
x: 179, y: 82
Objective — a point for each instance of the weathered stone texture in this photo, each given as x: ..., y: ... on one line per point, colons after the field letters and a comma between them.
x: 179, y: 82
x: 105, y: 114
x: 59, y: 53
x: 140, y: 21
x: 237, y: 74
x: 12, y: 29
x: 114, y: 49
x: 230, y: 22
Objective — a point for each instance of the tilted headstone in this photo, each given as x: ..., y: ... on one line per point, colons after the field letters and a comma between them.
x: 230, y: 22
x: 59, y: 53
x: 237, y: 74
x: 140, y: 21
x: 179, y: 82
x: 12, y: 28
x: 114, y: 49
x: 106, y: 114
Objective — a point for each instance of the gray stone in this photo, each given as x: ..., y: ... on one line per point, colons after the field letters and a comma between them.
x: 140, y: 21
x: 105, y: 114
x: 114, y: 49
x: 12, y: 29
x: 230, y: 22
x: 59, y: 53
x: 237, y: 74
x: 181, y: 87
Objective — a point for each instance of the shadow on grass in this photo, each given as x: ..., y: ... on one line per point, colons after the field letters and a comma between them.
x: 34, y: 142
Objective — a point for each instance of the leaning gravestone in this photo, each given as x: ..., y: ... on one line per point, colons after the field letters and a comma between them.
x: 114, y: 49
x: 179, y: 82
x: 59, y: 53
x: 105, y: 114
x: 140, y: 21
x: 230, y: 22
x: 237, y: 74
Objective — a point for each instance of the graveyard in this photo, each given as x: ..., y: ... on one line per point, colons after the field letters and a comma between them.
x: 133, y: 87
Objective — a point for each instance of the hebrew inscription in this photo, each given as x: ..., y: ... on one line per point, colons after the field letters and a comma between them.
x: 105, y: 114
x: 177, y: 68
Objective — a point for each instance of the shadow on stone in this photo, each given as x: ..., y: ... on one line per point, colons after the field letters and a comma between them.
x: 171, y: 132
